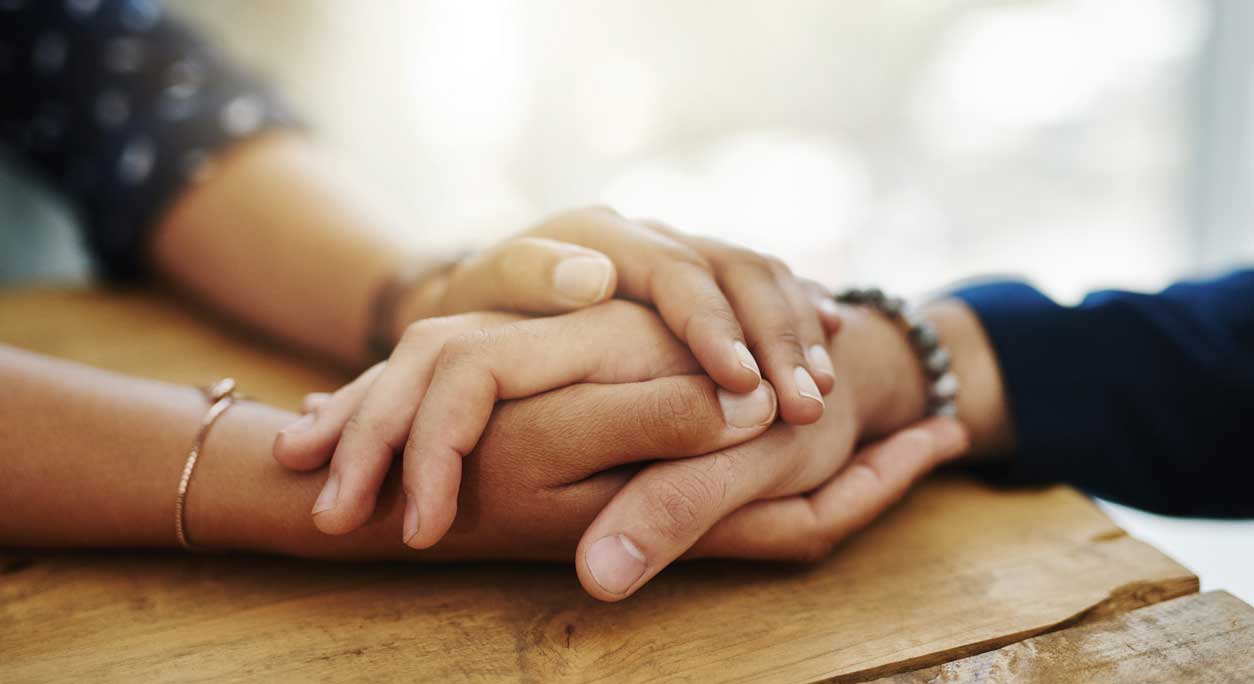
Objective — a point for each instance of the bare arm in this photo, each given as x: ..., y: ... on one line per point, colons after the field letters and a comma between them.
x: 90, y: 458
x: 279, y: 238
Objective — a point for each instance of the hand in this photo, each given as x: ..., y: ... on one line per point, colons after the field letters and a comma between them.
x: 440, y: 388
x: 773, y: 497
x: 733, y: 307
x: 791, y: 493
x: 545, y: 467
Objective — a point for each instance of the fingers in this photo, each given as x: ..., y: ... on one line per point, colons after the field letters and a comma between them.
x: 781, y: 325
x: 308, y: 443
x: 525, y: 358
x: 808, y: 325
x: 378, y: 423
x: 668, y: 506
x: 655, y: 268
x: 771, y: 329
x: 598, y: 427
x: 807, y: 527
x: 530, y: 275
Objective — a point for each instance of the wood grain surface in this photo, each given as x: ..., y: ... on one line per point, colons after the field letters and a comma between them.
x: 1201, y: 638
x: 958, y: 569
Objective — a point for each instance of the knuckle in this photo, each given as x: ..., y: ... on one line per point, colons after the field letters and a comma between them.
x: 465, y: 348
x: 714, y: 311
x: 681, y: 407
x: 868, y: 477
x: 356, y: 424
x: 435, y: 331
x: 679, y: 503
x: 675, y: 418
x: 367, y: 429
x: 779, y: 338
x: 747, y: 260
x: 658, y: 226
x: 419, y: 331
x: 741, y: 255
x: 599, y: 210
x: 679, y: 257
x: 786, y: 336
x: 777, y: 266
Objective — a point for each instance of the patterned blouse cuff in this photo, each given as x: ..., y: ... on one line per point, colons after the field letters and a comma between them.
x: 120, y: 107
x: 155, y: 166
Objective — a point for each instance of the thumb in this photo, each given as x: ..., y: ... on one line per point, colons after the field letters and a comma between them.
x: 530, y: 275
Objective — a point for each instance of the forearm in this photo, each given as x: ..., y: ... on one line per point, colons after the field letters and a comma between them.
x: 88, y: 458
x: 92, y: 459
x: 279, y: 239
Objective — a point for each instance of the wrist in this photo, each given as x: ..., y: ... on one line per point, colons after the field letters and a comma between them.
x: 890, y: 388
x: 243, y: 500
x: 982, y: 406
x: 888, y: 384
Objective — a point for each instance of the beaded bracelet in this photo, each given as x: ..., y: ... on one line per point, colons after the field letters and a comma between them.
x: 942, y: 394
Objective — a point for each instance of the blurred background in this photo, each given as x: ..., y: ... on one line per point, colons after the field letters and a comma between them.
x: 1081, y: 143
x: 908, y: 143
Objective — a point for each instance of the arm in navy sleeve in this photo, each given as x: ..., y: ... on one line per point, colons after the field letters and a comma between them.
x: 1145, y: 399
x: 119, y: 108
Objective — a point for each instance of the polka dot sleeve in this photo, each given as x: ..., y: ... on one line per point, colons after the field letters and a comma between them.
x: 119, y: 108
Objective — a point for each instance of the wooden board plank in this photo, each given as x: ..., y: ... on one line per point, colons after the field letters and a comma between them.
x: 1200, y: 638
x: 958, y: 569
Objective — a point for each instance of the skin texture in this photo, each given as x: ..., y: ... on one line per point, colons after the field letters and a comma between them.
x: 85, y: 461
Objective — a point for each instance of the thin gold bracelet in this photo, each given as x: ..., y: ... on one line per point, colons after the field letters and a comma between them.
x: 220, y: 395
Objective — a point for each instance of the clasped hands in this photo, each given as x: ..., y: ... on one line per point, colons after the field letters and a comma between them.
x: 719, y: 407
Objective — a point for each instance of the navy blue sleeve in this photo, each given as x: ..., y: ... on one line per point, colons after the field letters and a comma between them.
x: 1144, y: 399
x: 119, y: 108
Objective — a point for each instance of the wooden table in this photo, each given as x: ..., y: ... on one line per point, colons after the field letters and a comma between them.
x: 952, y: 584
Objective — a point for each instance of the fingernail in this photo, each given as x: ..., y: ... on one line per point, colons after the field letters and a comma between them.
x: 819, y: 358
x: 747, y: 410
x: 330, y: 494
x: 304, y: 423
x: 805, y: 384
x: 583, y: 278
x: 829, y: 307
x: 411, y: 519
x: 746, y: 359
x: 615, y: 563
